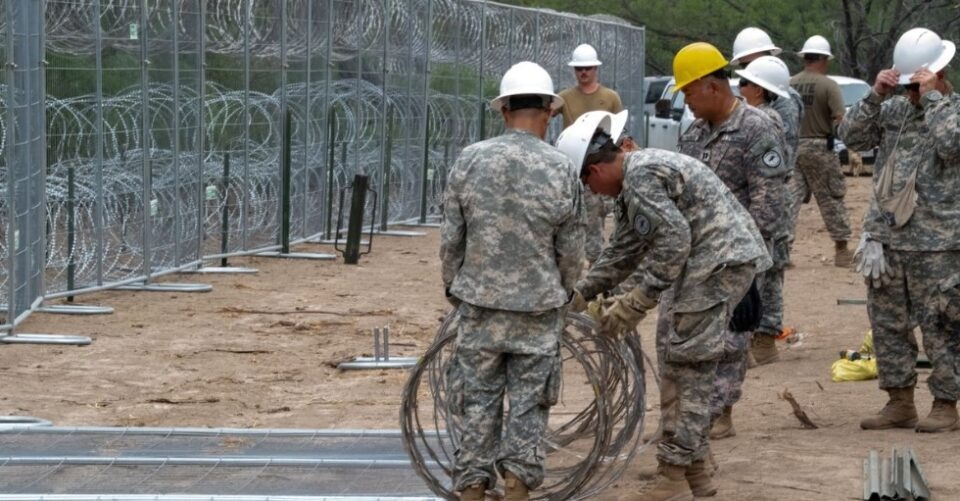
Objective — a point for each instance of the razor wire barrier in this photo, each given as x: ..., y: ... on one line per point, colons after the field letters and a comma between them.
x: 593, y: 433
x: 205, y: 463
x: 165, y: 132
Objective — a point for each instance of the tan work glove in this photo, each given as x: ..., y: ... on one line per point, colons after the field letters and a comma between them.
x: 626, y: 312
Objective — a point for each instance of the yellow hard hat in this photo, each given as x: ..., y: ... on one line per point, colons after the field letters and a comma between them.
x: 694, y: 62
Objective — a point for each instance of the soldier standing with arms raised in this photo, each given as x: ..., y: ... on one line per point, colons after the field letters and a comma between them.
x: 909, y: 252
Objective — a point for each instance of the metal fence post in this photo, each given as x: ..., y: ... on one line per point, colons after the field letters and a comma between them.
x: 145, y: 145
x: 426, y: 115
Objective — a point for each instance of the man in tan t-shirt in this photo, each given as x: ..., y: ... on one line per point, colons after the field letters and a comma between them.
x: 818, y: 168
x: 589, y: 95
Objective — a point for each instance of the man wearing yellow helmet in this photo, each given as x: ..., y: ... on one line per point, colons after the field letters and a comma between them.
x: 742, y: 146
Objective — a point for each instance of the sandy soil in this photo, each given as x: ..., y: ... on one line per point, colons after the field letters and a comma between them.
x: 215, y: 359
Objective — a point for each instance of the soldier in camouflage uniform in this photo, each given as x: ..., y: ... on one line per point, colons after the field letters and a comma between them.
x: 911, y: 238
x: 511, y: 251
x: 741, y: 144
x: 818, y: 167
x: 765, y: 81
x: 685, y: 232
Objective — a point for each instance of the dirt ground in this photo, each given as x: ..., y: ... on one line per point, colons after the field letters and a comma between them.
x: 216, y: 359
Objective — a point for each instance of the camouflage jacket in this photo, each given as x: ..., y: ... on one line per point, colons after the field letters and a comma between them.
x: 512, y: 234
x: 925, y: 138
x: 678, y: 224
x: 790, y: 111
x: 746, y: 153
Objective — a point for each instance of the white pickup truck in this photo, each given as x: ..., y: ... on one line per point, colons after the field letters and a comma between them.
x: 671, y: 116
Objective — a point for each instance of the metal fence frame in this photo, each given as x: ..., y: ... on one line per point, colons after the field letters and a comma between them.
x: 154, y: 144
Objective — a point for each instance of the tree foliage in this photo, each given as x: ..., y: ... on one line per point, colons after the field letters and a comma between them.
x: 861, y: 32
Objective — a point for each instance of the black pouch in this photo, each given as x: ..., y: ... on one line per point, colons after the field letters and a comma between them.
x: 746, y: 316
x: 830, y: 142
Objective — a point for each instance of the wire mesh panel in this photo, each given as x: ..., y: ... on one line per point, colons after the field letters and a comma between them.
x: 23, y: 158
x: 212, y: 462
x: 165, y: 122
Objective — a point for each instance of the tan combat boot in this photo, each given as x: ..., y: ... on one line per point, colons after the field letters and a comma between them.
x: 898, y: 413
x: 763, y: 347
x: 698, y: 476
x: 843, y: 257
x: 474, y: 493
x: 671, y: 486
x: 515, y: 490
x: 943, y: 417
x: 723, y: 426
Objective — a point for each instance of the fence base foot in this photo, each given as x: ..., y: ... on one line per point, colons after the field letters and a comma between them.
x: 223, y: 269
x: 167, y: 287
x: 20, y: 422
x: 75, y: 309
x: 45, y: 339
x: 364, y: 363
x: 297, y: 255
x: 339, y: 241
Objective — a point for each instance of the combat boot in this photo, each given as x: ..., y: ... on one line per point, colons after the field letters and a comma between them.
x: 843, y: 257
x: 698, y: 476
x: 671, y: 486
x: 723, y: 426
x: 474, y: 493
x: 898, y: 413
x: 943, y: 417
x: 763, y: 347
x: 515, y: 490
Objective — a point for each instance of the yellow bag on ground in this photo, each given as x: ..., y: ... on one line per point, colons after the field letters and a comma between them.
x: 853, y: 370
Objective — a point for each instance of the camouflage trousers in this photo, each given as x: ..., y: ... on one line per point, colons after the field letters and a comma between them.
x: 492, y: 442
x: 919, y: 295
x: 596, y: 213
x: 818, y: 173
x: 687, y: 387
x: 770, y: 284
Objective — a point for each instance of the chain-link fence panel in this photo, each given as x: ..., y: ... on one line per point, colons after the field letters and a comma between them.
x: 165, y: 122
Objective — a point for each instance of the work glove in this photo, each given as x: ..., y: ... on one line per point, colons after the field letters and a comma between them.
x: 578, y: 303
x: 871, y: 263
x: 625, y: 313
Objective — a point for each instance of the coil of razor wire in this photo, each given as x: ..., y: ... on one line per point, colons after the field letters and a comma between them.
x: 587, y: 448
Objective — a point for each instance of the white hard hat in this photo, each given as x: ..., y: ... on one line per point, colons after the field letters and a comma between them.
x: 770, y: 73
x: 921, y: 48
x: 816, y: 45
x: 575, y: 140
x: 584, y: 56
x: 618, y: 124
x: 751, y: 41
x: 526, y: 78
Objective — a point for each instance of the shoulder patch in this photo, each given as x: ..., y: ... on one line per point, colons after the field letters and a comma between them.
x: 772, y: 159
x: 642, y: 225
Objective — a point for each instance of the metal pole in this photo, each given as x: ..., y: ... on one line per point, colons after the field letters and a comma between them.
x: 175, y: 28
x: 98, y: 216
x: 483, y: 45
x: 145, y: 145
x: 245, y: 185
x: 426, y: 114
x: 201, y: 128
x: 358, y: 200
x: 388, y: 163
x: 71, y: 229
x: 308, y: 55
x: 330, y: 115
x: 331, y: 162
x: 384, y: 166
x: 225, y: 218
x: 285, y: 187
x: 13, y: 235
